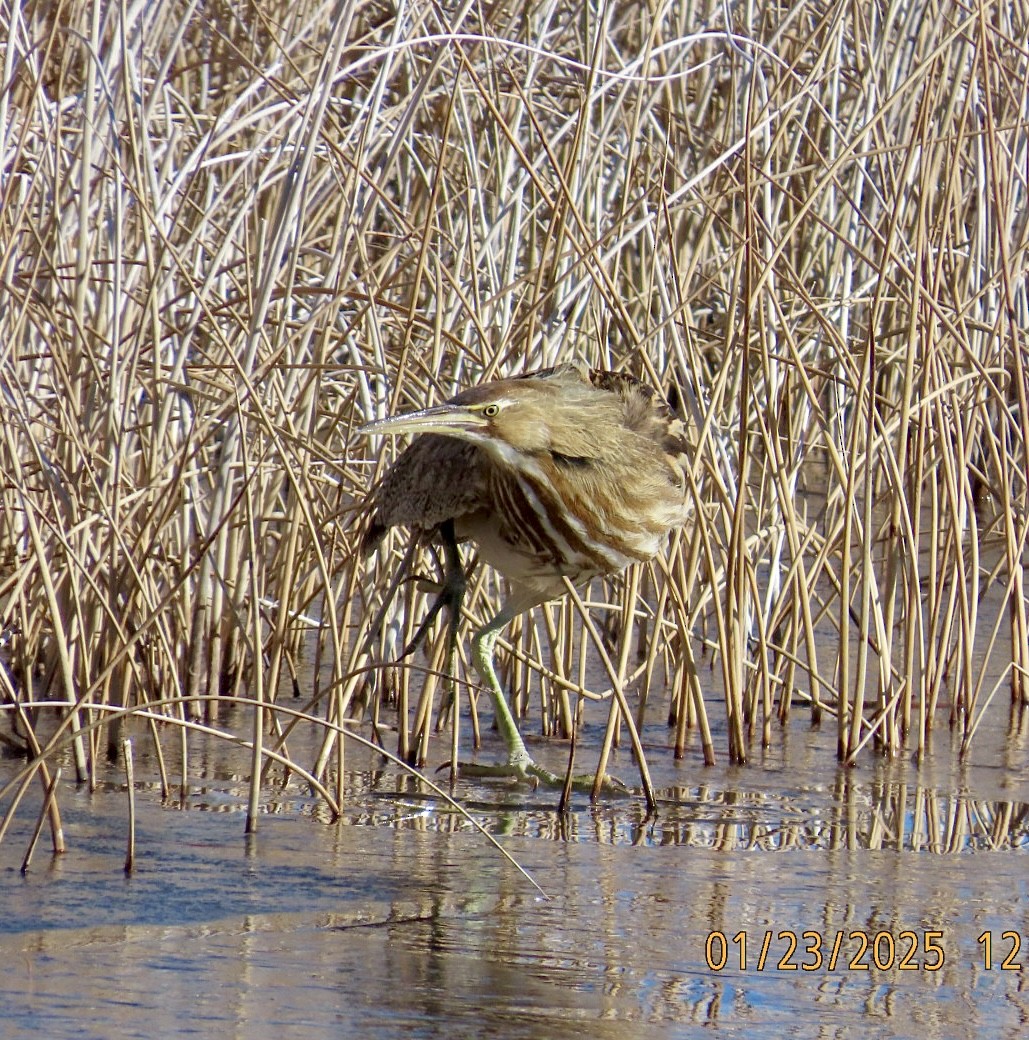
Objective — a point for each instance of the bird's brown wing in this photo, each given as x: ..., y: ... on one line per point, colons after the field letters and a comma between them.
x: 435, y: 478
x: 646, y: 411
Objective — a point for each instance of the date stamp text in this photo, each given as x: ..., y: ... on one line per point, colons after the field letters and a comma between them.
x: 856, y: 950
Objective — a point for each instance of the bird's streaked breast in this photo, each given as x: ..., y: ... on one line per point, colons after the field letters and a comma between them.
x: 544, y: 526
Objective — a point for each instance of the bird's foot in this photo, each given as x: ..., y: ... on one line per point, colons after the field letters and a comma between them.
x: 525, y: 770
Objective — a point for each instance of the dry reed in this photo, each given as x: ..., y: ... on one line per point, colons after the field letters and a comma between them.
x: 228, y: 235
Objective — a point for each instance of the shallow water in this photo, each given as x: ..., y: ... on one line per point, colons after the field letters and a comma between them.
x: 401, y: 920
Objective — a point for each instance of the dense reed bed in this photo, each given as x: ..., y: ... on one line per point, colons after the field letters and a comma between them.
x: 231, y: 233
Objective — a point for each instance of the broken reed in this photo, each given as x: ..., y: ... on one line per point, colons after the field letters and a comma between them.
x: 224, y: 244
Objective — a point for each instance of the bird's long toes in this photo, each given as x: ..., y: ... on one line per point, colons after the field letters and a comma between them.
x: 522, y: 769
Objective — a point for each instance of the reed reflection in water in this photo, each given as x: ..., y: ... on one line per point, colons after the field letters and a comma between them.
x: 399, y: 920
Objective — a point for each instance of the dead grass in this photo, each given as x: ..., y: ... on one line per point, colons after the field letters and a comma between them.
x: 230, y: 234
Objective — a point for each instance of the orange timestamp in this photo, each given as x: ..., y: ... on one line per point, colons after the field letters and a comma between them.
x: 856, y: 950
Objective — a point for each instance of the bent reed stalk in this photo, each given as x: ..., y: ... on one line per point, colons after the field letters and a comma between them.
x: 228, y: 238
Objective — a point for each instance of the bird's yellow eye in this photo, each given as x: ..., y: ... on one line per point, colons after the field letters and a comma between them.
x: 491, y: 410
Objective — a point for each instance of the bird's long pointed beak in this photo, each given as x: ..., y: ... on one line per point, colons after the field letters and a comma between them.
x: 449, y: 419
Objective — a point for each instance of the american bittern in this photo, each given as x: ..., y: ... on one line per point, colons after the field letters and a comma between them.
x: 562, y: 473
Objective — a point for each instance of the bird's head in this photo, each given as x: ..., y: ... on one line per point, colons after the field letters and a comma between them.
x: 522, y: 416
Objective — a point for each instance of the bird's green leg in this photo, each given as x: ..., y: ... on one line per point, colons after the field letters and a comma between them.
x: 519, y: 762
x: 482, y: 649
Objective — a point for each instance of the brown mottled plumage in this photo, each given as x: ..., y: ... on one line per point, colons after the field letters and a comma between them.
x: 562, y: 473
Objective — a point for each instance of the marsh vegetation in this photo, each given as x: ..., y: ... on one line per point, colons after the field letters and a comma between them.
x: 230, y: 234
